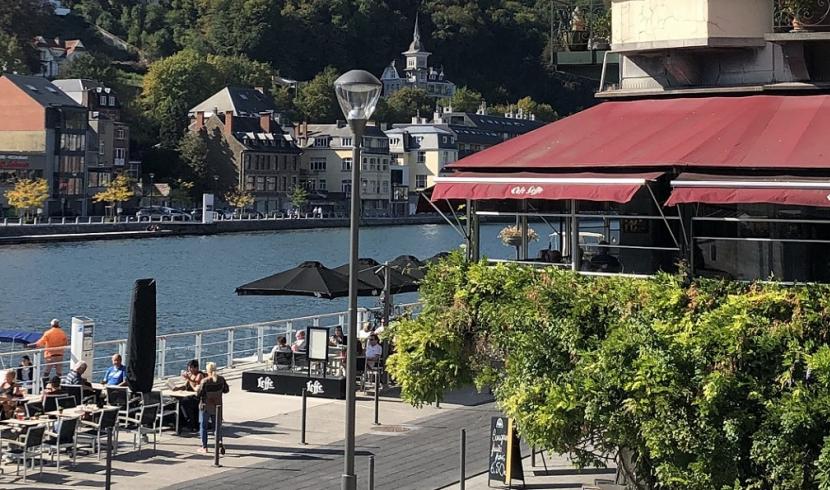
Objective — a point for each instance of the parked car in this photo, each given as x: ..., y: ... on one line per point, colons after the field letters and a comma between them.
x: 161, y: 213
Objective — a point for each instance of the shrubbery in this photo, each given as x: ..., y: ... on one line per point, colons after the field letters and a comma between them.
x: 708, y: 385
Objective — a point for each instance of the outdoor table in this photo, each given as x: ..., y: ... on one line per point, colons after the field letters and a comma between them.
x: 79, y: 411
x: 178, y: 395
x: 24, y: 422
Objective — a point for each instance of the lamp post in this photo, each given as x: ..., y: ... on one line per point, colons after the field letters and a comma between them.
x: 357, y: 93
x: 152, y: 185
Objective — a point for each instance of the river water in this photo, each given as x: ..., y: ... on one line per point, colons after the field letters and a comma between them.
x: 196, y: 275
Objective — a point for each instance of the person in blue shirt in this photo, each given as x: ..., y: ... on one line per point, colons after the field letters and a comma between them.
x: 116, y: 375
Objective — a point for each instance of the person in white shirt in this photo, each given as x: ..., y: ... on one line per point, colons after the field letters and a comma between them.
x: 373, y: 351
x: 364, y: 333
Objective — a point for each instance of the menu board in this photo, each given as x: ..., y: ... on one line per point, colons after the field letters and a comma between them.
x: 505, y: 462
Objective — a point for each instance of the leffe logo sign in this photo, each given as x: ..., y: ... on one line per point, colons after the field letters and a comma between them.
x: 521, y: 190
x: 314, y: 387
x: 265, y: 383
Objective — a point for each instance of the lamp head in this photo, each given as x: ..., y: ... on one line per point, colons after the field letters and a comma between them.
x: 357, y: 93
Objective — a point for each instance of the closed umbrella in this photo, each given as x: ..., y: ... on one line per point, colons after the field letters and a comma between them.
x: 141, y: 341
x: 410, y: 266
x: 310, y: 278
x: 371, y: 273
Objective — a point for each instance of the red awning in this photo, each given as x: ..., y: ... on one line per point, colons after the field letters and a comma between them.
x: 523, y: 185
x: 718, y: 189
x: 769, y: 131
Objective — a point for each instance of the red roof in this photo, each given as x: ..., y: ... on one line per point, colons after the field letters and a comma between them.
x: 524, y: 185
x: 719, y: 189
x: 763, y: 131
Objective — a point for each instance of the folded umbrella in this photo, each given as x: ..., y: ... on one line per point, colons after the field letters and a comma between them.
x: 310, y: 278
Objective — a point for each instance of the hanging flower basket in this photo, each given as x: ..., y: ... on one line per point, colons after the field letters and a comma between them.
x: 511, y: 236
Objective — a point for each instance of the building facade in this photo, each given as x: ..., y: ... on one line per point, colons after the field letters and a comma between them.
x: 54, y: 53
x: 417, y: 72
x: 108, y: 138
x: 327, y: 154
x: 480, y: 130
x: 43, y: 135
x: 247, y: 147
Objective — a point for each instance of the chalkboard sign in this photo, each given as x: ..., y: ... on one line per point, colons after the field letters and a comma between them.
x: 505, y: 464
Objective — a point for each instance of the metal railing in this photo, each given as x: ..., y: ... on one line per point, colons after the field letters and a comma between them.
x: 579, y: 25
x: 108, y: 220
x: 226, y: 346
x: 789, y: 16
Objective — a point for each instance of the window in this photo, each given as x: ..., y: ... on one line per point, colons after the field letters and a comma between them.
x: 385, y: 164
x: 69, y: 186
x: 271, y: 184
x: 384, y: 188
x: 444, y: 139
x: 345, y: 141
x: 346, y: 186
x: 249, y: 183
x: 99, y: 179
x: 420, y: 181
x: 120, y: 134
x: 318, y: 164
x: 260, y: 183
x: 311, y: 185
x: 321, y: 142
x: 71, y: 164
x: 102, y: 101
x: 422, y: 157
x: 346, y: 165
x: 284, y: 185
x: 112, y: 101
x: 120, y: 153
x: 72, y: 142
x: 293, y: 181
x: 296, y: 160
x: 101, y: 149
x: 321, y: 184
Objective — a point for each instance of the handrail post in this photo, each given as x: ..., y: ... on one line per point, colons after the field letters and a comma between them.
x: 315, y: 322
x: 162, y: 356
x: 290, y: 326
x: 230, y: 348
x: 260, y: 343
x: 37, y: 376
x: 197, y: 349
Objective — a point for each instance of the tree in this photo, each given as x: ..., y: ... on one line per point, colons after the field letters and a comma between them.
x: 12, y: 54
x: 543, y: 112
x: 120, y: 189
x: 28, y: 194
x: 239, y: 199
x: 402, y: 105
x: 193, y: 151
x: 465, y: 100
x: 20, y: 22
x: 299, y: 197
x: 92, y: 66
x: 316, y: 101
x: 181, y: 193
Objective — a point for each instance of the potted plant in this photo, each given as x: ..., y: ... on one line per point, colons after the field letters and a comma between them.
x: 511, y: 236
x: 807, y: 15
x: 600, y: 28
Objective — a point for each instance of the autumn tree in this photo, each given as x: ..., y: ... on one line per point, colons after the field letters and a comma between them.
x: 465, y: 100
x: 120, y: 189
x: 239, y: 199
x: 27, y: 195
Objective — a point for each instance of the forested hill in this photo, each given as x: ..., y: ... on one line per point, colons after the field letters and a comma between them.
x: 496, y: 47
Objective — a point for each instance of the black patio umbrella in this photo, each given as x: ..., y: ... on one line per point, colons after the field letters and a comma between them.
x: 437, y: 257
x: 307, y: 279
x: 410, y: 266
x: 141, y: 340
x: 370, y: 272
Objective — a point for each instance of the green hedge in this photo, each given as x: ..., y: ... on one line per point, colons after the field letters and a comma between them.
x: 709, y: 385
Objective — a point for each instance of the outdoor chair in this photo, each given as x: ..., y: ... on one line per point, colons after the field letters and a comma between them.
x: 282, y: 360
x: 62, y: 438
x: 95, y: 432
x: 80, y: 393
x: 167, y: 407
x: 66, y: 402
x: 34, y: 408
x: 120, y: 397
x: 50, y: 403
x: 29, y: 447
x: 300, y: 360
x: 144, y: 425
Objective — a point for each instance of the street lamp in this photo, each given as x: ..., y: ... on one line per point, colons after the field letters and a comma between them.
x: 357, y: 92
x: 152, y: 185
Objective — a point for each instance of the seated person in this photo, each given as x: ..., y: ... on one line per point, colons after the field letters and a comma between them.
x: 373, y: 351
x: 603, y: 261
x: 282, y: 346
x: 338, y: 338
x: 25, y: 371
x: 193, y: 376
x: 53, y: 387
x: 299, y: 344
x: 190, y: 406
x: 364, y: 333
x: 9, y: 390
x: 75, y: 376
x: 116, y: 374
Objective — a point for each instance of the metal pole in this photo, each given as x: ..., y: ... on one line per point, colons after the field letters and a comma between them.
x: 463, y: 460
x: 108, y: 478
x: 387, y: 293
x: 377, y: 396
x: 575, y: 255
x: 349, y: 480
x: 371, y: 472
x: 303, y: 419
x: 523, y: 224
x: 217, y: 423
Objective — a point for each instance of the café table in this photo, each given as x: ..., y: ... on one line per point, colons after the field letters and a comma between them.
x: 179, y: 396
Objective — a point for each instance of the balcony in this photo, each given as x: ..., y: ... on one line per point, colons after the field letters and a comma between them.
x: 801, y: 16
x: 579, y: 27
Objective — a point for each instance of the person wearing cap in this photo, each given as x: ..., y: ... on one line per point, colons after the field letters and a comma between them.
x: 54, y: 341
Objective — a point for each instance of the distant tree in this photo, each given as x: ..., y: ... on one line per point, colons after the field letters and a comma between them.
x: 465, y: 100
x: 299, y: 197
x: 316, y: 101
x: 240, y: 70
x: 543, y: 112
x: 193, y: 151
x: 27, y: 195
x: 407, y: 102
x: 239, y: 199
x: 92, y: 66
x: 120, y: 189
x: 20, y: 22
x: 12, y: 55
x: 181, y: 193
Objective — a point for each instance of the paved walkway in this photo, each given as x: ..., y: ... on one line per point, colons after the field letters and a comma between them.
x: 421, y: 454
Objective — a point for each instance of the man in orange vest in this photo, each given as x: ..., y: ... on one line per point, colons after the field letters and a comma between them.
x: 54, y: 341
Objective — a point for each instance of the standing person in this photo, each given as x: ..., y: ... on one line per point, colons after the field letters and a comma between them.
x: 116, y: 375
x: 190, y: 406
x: 54, y: 341
x: 210, y: 396
x: 25, y: 371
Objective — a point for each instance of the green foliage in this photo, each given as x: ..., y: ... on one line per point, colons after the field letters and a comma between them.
x: 298, y: 197
x: 93, y: 67
x: 316, y: 101
x: 193, y: 151
x: 706, y: 385
x: 20, y: 22
x: 401, y: 106
x: 465, y: 100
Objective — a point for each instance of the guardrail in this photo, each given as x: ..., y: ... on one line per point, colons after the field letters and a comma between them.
x: 108, y: 220
x: 226, y: 346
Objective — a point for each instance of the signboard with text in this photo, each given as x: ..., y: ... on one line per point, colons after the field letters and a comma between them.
x: 505, y: 461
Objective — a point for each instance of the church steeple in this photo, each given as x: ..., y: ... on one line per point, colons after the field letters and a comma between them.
x: 415, y: 45
x: 416, y: 55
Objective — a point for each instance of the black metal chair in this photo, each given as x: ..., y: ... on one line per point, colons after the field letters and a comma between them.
x: 67, y: 402
x: 118, y: 396
x: 95, y: 432
x: 34, y: 408
x: 82, y: 394
x: 29, y: 447
x: 167, y: 407
x: 62, y: 438
x: 282, y: 360
x: 144, y: 425
x: 50, y: 403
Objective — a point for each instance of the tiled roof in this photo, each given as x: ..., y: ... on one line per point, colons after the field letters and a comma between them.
x: 42, y: 91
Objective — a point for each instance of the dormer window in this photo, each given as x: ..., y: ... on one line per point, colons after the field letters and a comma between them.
x: 321, y: 142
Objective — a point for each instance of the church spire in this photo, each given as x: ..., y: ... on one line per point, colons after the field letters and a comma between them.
x: 416, y: 37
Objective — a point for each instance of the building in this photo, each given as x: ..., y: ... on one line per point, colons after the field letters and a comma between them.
x: 417, y: 73
x: 247, y: 147
x: 108, y: 138
x: 480, y: 130
x: 419, y: 152
x: 43, y: 135
x: 56, y: 52
x: 327, y: 154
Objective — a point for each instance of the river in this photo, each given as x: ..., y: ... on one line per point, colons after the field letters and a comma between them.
x: 196, y: 275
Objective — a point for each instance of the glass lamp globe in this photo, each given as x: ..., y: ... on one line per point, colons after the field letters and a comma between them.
x: 357, y: 93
